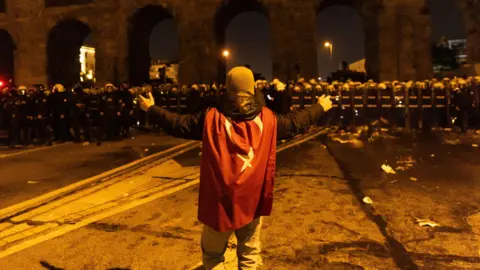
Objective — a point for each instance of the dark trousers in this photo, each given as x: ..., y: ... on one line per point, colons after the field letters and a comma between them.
x: 109, y: 126
x: 42, y: 131
x: 19, y: 131
x: 61, y: 129
x: 125, y: 123
x: 81, y: 122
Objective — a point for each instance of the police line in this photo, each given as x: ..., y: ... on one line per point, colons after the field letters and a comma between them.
x: 421, y: 104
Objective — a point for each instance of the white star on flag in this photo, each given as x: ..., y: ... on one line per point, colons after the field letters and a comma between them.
x: 247, y: 159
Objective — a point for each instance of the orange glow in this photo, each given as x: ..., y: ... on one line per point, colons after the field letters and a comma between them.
x: 226, y: 53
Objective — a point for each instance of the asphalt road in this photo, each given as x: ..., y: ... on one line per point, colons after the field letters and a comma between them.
x: 320, y: 219
x: 27, y: 173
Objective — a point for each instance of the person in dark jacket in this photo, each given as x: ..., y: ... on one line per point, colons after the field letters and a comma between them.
x: 238, y: 162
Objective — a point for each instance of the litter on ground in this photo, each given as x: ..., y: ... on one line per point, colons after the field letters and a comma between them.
x: 427, y: 222
x: 367, y: 200
x: 388, y: 169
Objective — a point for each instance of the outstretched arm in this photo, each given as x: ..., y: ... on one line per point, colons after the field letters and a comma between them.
x: 187, y: 126
x: 294, y: 123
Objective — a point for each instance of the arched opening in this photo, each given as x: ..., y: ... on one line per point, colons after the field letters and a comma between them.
x: 340, y: 39
x: 242, y: 29
x: 448, y: 36
x: 7, y: 49
x: 152, y: 36
x: 64, y: 60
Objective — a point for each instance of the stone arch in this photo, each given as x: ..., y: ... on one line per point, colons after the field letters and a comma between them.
x: 140, y: 28
x: 225, y: 13
x: 7, y: 51
x: 63, y: 49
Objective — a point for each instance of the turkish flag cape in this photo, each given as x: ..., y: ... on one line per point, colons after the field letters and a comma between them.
x: 237, y: 170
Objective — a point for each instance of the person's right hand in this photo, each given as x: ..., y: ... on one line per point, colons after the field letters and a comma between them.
x: 146, y: 103
x: 325, y: 102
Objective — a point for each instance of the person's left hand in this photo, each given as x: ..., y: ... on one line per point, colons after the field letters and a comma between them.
x: 146, y: 103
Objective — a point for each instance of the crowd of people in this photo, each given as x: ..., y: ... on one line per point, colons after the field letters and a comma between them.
x: 38, y: 115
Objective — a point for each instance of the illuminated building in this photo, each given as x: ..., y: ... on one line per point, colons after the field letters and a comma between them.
x: 87, y: 64
x: 460, y: 47
x: 171, y: 70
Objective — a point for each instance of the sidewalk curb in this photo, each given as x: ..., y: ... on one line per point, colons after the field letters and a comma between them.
x: 33, y: 150
x: 5, y: 212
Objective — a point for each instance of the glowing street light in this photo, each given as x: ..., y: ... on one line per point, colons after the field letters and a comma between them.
x: 226, y: 54
x: 330, y: 46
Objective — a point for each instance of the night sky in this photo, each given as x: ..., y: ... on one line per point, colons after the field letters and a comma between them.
x: 248, y: 37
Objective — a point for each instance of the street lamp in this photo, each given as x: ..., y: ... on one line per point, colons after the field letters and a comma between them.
x: 226, y: 54
x: 330, y: 46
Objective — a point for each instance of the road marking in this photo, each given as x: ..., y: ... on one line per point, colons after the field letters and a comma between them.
x: 70, y: 227
x: 148, y: 195
x: 38, y: 200
x: 33, y: 150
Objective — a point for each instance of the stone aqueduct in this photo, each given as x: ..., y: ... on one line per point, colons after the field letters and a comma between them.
x: 46, y: 37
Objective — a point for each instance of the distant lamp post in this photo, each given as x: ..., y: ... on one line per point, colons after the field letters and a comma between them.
x: 226, y: 54
x: 330, y: 46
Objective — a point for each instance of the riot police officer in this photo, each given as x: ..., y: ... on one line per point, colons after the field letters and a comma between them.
x: 80, y: 116
x: 109, y: 112
x: 42, y: 115
x: 61, y: 102
x: 125, y: 98
x: 10, y: 109
x: 21, y: 121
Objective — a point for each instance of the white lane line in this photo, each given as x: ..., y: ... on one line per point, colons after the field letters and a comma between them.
x: 70, y: 227
x: 20, y: 206
x: 33, y: 150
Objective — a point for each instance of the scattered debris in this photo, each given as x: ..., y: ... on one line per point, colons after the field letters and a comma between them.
x: 367, y: 200
x: 32, y: 182
x: 348, y: 137
x: 405, y: 163
x: 427, y: 222
x: 452, y: 142
x: 388, y: 169
x: 413, y: 179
